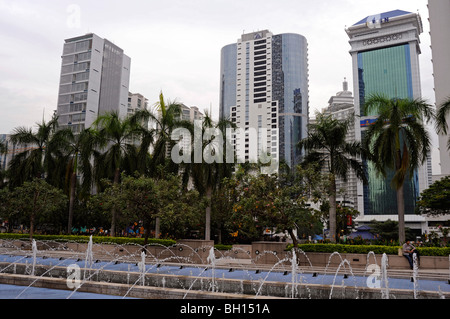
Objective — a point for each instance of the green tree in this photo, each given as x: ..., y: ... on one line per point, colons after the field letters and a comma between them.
x: 36, y: 161
x: 436, y: 199
x: 77, y: 154
x: 3, y: 150
x: 441, y: 119
x: 398, y: 141
x: 326, y: 144
x: 34, y: 201
x: 388, y: 230
x: 118, y: 153
x: 279, y: 202
x: 167, y: 119
x: 208, y: 173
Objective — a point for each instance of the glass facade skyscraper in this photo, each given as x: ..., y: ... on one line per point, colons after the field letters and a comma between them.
x: 385, y: 51
x: 264, y: 85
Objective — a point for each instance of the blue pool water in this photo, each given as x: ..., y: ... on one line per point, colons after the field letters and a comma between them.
x: 10, y: 292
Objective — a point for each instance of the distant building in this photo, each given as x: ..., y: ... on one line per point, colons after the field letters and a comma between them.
x: 341, y: 107
x: 136, y: 102
x: 95, y: 76
x: 191, y: 113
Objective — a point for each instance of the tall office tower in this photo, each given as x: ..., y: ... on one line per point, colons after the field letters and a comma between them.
x: 439, y: 11
x: 264, y: 91
x: 341, y: 107
x: 385, y: 50
x: 95, y: 76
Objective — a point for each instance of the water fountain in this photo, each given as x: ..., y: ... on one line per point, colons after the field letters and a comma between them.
x: 177, y: 271
x: 384, y: 285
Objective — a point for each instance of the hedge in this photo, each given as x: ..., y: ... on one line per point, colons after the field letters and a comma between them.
x: 101, y: 240
x: 365, y: 249
x: 95, y: 239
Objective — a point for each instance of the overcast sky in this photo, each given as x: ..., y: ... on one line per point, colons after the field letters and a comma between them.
x: 175, y: 45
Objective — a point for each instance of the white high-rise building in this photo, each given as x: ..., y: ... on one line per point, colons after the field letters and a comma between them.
x: 264, y: 91
x: 341, y: 107
x: 439, y: 11
x: 95, y: 76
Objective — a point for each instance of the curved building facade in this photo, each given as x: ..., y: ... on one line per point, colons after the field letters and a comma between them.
x: 264, y: 88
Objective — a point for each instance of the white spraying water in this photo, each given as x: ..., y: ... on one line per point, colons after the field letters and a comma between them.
x: 212, y: 261
x: 141, y: 266
x: 89, y: 261
x: 34, y: 251
x: 415, y: 275
x: 384, y: 277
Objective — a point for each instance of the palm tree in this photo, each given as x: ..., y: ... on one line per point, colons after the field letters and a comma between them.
x: 78, y: 151
x: 208, y: 176
x: 441, y: 120
x: 3, y: 150
x: 36, y: 160
x: 326, y: 144
x: 167, y: 119
x: 398, y: 141
x: 116, y: 139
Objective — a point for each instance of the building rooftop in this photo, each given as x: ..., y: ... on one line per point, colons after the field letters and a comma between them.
x: 385, y: 15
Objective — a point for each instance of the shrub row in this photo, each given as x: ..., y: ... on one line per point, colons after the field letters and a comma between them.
x: 95, y: 239
x: 365, y: 249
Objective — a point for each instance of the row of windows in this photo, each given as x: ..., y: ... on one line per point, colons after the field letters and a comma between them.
x: 76, y: 58
x: 72, y: 118
x: 72, y: 108
x: 72, y: 98
x: 78, y: 77
x: 77, y: 46
x: 77, y: 128
x: 76, y: 87
x: 75, y: 67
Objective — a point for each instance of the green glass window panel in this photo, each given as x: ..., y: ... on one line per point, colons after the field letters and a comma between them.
x: 385, y: 71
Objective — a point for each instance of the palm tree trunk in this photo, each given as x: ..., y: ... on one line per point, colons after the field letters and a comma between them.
x: 73, y: 185
x: 33, y: 215
x: 333, y: 208
x: 158, y: 228
x: 294, y: 241
x: 401, y: 215
x: 113, y: 218
x: 208, y: 215
x: 400, y: 198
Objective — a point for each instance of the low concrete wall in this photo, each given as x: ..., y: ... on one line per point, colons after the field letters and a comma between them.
x: 269, y: 253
